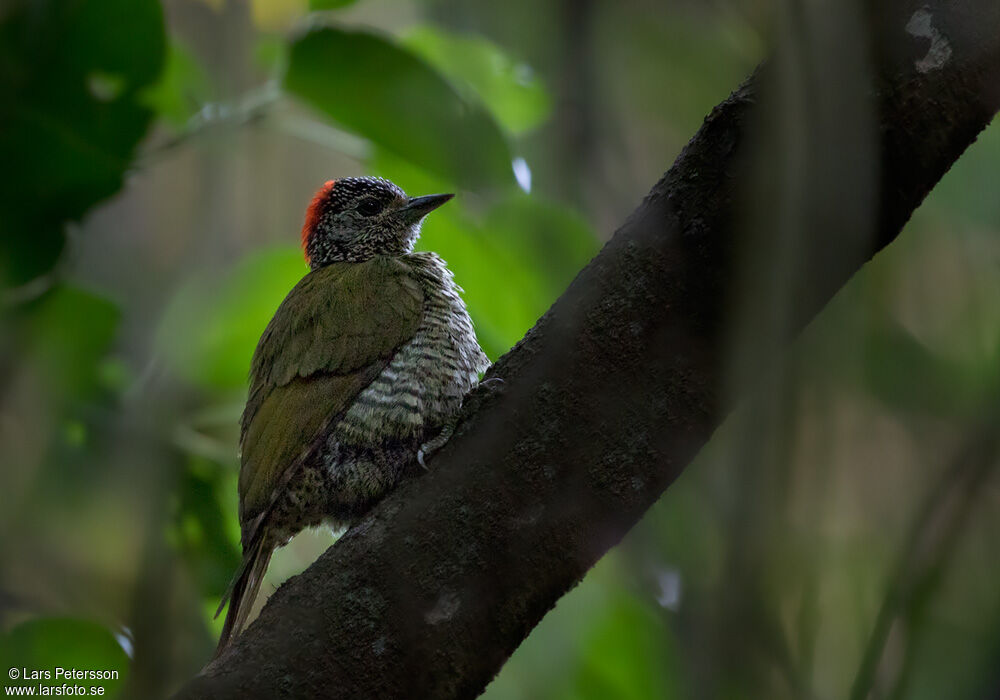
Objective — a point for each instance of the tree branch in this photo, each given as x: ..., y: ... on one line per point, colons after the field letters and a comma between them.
x: 605, y: 402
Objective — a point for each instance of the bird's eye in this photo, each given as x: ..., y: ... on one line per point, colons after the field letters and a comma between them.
x: 369, y: 206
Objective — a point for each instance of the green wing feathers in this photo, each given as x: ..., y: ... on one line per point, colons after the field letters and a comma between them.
x: 331, y: 337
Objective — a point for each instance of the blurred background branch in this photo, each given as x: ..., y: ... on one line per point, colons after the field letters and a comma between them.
x: 932, y: 540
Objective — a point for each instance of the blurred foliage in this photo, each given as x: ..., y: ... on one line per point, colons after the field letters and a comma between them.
x: 70, y: 332
x: 203, y: 530
x: 182, y: 88
x: 211, y: 327
x: 449, y: 136
x: 511, y: 91
x: 761, y: 572
x: 626, y: 654
x: 71, y: 76
x: 48, y: 643
x: 329, y: 4
x: 906, y: 375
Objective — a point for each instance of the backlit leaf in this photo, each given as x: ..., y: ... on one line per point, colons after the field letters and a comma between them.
x: 510, y: 89
x: 209, y: 331
x: 372, y: 87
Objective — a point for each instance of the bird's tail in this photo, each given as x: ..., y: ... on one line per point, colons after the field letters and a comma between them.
x: 242, y: 592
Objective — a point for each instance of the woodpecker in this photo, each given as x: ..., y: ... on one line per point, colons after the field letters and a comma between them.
x: 357, y: 377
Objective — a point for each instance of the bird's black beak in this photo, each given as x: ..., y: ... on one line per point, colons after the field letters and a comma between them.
x: 418, y: 207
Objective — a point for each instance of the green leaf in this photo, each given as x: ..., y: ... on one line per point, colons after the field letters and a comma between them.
x: 212, y: 325
x: 70, y: 116
x: 202, y: 528
x: 182, y: 89
x: 511, y: 91
x: 372, y: 87
x: 549, y: 238
x: 270, y: 54
x: 411, y: 177
x: 49, y: 644
x: 71, y: 332
x: 905, y: 375
x: 629, y: 654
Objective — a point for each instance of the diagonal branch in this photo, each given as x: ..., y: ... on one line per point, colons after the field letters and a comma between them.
x: 605, y: 402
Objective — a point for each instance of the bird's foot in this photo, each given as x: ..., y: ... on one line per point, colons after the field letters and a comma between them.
x: 435, y: 444
x: 493, y: 385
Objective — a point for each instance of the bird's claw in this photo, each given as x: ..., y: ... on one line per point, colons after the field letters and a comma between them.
x: 492, y: 384
x: 434, y: 444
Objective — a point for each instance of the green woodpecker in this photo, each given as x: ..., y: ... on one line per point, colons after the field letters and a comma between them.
x: 358, y: 375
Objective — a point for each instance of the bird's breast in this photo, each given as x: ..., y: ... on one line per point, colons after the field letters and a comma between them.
x: 425, y: 380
